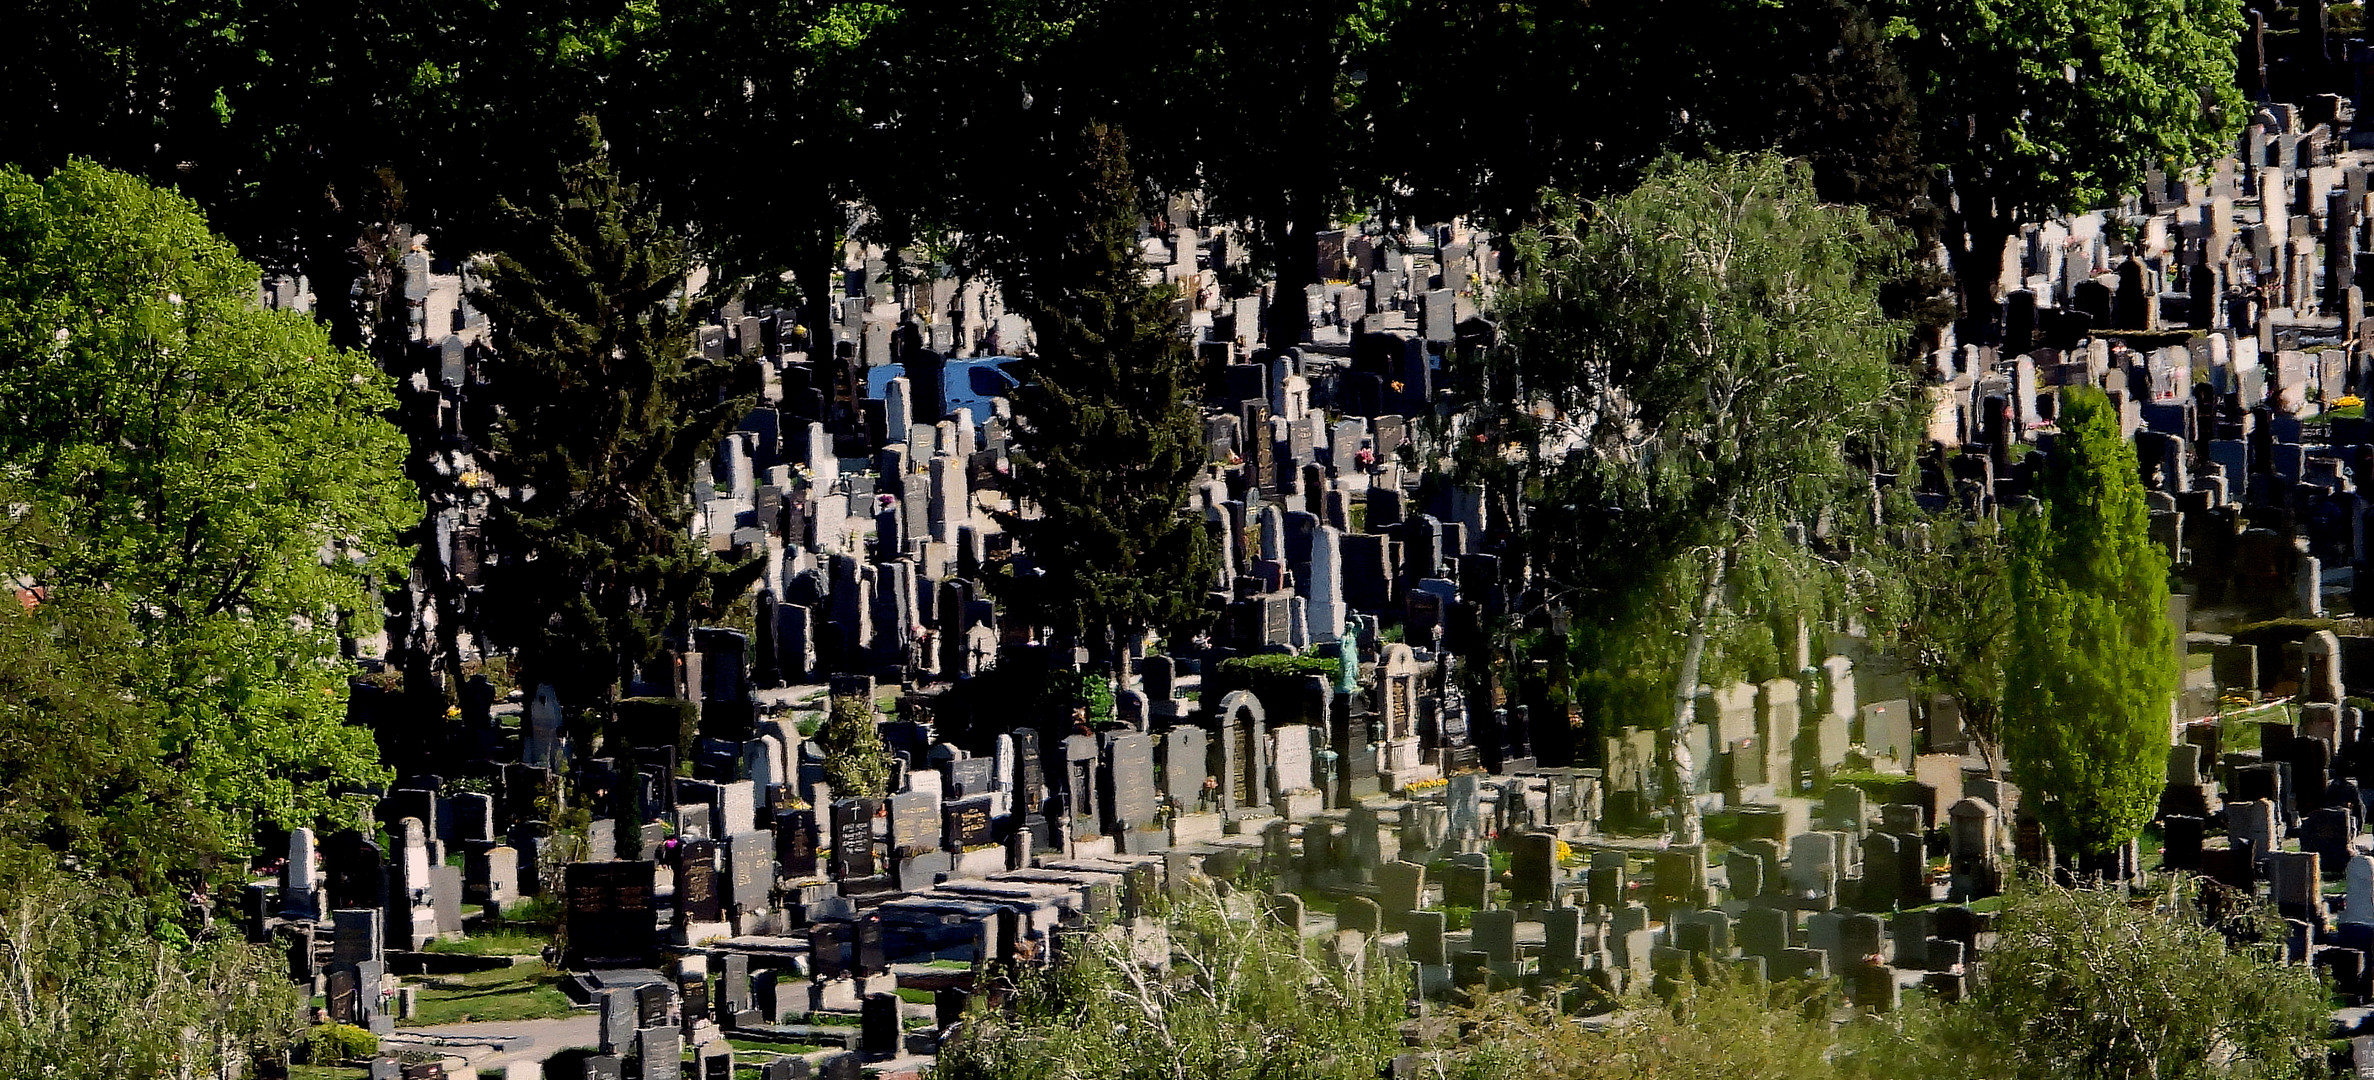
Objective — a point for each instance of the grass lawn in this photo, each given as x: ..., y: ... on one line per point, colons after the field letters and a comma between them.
x: 524, y: 991
x: 762, y: 1046
x: 912, y: 995
x: 504, y: 942
x: 327, y: 1072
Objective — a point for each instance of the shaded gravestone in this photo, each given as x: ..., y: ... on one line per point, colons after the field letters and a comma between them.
x: 796, y: 844
x: 697, y: 898
x: 968, y: 823
x: 750, y: 861
x: 611, y: 917
x: 853, y: 838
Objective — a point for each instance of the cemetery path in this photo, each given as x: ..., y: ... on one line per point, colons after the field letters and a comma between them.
x: 547, y: 1037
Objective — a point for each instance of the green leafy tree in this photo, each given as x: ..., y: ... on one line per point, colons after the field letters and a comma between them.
x: 2032, y: 108
x: 1944, y: 609
x: 221, y: 470
x: 1716, y: 365
x: 605, y: 411
x: 2091, y: 666
x: 856, y: 762
x: 1107, y: 436
x: 83, y: 772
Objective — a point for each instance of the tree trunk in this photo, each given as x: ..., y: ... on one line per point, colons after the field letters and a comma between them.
x: 1290, y: 308
x: 1976, y: 230
x: 1681, y: 771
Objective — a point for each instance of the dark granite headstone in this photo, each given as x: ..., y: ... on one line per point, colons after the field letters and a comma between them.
x: 612, y: 921
x: 795, y: 843
x: 697, y: 900
x: 966, y: 823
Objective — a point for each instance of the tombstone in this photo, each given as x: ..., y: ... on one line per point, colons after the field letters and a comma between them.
x: 612, y: 920
x: 1972, y: 850
x: 1243, y: 752
x: 1131, y: 802
x: 796, y: 844
x: 698, y: 902
x: 853, y: 838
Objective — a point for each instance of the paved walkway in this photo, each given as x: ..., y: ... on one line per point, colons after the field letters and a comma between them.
x: 545, y: 1037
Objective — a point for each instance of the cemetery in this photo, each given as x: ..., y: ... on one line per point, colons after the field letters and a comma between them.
x: 846, y: 794
x: 1349, y: 786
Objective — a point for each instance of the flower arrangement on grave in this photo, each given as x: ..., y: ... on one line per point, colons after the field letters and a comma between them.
x: 1417, y: 786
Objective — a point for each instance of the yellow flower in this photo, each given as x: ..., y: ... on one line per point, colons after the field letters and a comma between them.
x: 2348, y: 401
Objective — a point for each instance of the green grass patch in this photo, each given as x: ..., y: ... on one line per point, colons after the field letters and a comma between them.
x: 951, y: 965
x: 523, y: 991
x: 768, y: 1046
x: 911, y: 995
x: 327, y: 1072
x: 505, y: 942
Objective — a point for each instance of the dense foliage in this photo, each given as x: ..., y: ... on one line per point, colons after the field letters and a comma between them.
x: 605, y: 411
x: 1107, y: 434
x: 94, y: 987
x: 1241, y: 999
x: 218, y: 469
x: 856, y: 763
x: 2091, y: 665
x: 1716, y: 370
x: 2030, y: 108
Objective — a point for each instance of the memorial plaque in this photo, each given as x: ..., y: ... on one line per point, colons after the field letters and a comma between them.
x: 612, y: 922
x: 795, y: 844
x: 967, y: 824
x: 914, y: 822
x: 651, y: 1005
x: 752, y: 866
x: 603, y: 1067
x: 853, y: 838
x: 970, y: 776
x: 696, y: 883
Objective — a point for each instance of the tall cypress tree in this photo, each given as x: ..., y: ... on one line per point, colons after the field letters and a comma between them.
x: 605, y: 410
x: 2091, y: 665
x: 1108, y: 436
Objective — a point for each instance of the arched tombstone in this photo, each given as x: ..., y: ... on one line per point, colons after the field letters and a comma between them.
x: 1244, y: 757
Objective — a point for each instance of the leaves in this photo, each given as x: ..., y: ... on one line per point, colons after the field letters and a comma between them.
x: 1107, y: 435
x: 218, y: 468
x: 2091, y: 665
x: 605, y: 411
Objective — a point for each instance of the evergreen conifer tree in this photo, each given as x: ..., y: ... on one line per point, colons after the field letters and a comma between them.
x: 2091, y: 667
x: 605, y: 411
x: 1107, y: 437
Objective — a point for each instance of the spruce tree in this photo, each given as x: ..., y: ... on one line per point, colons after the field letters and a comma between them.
x: 1108, y: 436
x: 2091, y: 667
x: 605, y: 411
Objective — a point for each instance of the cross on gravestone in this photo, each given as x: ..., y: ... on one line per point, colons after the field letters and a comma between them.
x: 796, y: 844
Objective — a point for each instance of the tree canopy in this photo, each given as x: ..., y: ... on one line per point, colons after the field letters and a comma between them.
x: 1108, y: 435
x: 605, y: 410
x: 2031, y: 108
x: 1692, y: 370
x: 221, y: 470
